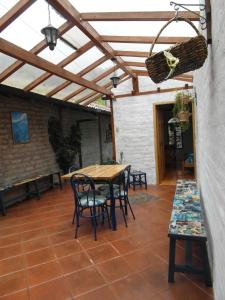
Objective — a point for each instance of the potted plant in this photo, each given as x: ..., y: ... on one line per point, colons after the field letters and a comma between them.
x: 181, y: 107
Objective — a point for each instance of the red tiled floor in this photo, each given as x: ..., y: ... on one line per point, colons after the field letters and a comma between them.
x: 41, y: 260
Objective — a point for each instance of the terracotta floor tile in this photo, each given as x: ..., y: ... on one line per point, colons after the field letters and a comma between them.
x: 84, y: 281
x: 103, y: 293
x: 22, y: 295
x: 88, y: 241
x: 36, y: 244
x: 62, y: 237
x: 102, y: 253
x: 125, y: 245
x: 9, y: 251
x: 114, y: 269
x: 12, y: 283
x: 10, y: 265
x: 9, y: 240
x: 52, y: 290
x: 43, y: 273
x: 74, y: 262
x: 39, y: 257
x: 132, y: 287
x: 66, y: 248
x: 33, y: 234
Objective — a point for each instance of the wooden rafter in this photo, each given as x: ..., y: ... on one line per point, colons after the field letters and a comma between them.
x: 36, y: 49
x: 81, y: 73
x: 183, y: 77
x: 14, y: 12
x: 135, y: 85
x: 62, y: 64
x: 123, y: 78
x: 95, y: 80
x: 71, y: 14
x: 154, y: 92
x: 131, y: 53
x: 137, y: 16
x: 30, y: 58
x: 144, y: 39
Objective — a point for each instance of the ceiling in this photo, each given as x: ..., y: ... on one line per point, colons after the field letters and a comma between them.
x: 91, y: 33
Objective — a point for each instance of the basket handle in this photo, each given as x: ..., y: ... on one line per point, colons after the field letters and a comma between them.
x: 170, y: 21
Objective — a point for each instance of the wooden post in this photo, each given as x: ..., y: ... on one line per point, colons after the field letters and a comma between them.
x: 113, y: 132
x: 135, y: 85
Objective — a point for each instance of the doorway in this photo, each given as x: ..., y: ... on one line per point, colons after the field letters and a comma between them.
x: 174, y: 149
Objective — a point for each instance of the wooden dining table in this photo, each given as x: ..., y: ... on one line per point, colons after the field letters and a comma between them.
x: 100, y: 174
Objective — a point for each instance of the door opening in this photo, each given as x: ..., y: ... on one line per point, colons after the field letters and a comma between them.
x: 174, y: 149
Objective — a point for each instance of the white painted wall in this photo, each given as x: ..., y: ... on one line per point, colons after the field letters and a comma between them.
x: 134, y: 131
x: 210, y: 88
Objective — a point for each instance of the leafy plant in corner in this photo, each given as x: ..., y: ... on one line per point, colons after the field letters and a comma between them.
x: 65, y: 148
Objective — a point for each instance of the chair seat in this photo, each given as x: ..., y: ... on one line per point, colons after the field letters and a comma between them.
x: 99, y: 200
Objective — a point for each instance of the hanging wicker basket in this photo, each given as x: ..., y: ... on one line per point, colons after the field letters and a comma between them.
x: 188, y: 56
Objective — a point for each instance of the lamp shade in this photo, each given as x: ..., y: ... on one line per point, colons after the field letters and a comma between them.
x: 51, y: 35
x: 115, y: 80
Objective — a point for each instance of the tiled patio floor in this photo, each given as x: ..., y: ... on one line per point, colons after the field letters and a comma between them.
x: 41, y: 260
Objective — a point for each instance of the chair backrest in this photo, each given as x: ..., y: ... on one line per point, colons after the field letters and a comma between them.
x: 125, y: 178
x: 73, y: 168
x: 86, y: 184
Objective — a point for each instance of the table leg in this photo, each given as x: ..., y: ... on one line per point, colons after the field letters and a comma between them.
x: 2, y: 204
x: 172, y: 259
x: 112, y: 206
x: 60, y: 181
x: 145, y: 182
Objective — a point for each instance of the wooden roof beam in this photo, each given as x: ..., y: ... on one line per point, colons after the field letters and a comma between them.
x: 14, y: 13
x: 95, y: 80
x: 81, y: 73
x: 132, y: 53
x: 144, y: 39
x: 36, y: 49
x: 182, y: 77
x: 38, y: 62
x: 70, y: 13
x: 137, y: 16
x: 62, y: 64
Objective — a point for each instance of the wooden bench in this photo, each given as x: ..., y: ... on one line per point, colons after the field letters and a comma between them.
x: 187, y: 224
x: 28, y: 182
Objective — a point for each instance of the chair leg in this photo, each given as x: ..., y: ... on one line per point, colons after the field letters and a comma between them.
x: 127, y: 200
x: 107, y: 213
x: 74, y: 214
x: 77, y: 224
x: 94, y: 224
x: 124, y: 217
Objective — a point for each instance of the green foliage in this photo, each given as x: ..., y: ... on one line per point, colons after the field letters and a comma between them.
x: 65, y: 148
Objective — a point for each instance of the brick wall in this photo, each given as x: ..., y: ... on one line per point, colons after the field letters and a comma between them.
x: 210, y: 88
x: 19, y: 161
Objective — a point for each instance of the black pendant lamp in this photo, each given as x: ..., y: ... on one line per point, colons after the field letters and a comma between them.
x: 50, y: 33
x: 115, y: 79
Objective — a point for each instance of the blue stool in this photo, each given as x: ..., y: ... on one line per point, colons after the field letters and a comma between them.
x: 138, y: 178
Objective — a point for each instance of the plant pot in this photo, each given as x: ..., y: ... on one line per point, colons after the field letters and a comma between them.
x: 183, y: 116
x: 185, y: 100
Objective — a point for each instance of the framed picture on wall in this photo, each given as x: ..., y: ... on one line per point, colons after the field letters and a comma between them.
x: 20, y: 129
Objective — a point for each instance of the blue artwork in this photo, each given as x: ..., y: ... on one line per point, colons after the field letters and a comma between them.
x: 20, y: 127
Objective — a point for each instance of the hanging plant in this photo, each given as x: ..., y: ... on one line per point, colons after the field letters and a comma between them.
x: 181, y: 109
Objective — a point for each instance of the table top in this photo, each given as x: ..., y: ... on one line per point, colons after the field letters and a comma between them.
x: 99, y: 172
x: 187, y: 217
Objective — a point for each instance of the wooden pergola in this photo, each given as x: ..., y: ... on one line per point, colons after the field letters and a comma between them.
x: 87, y: 90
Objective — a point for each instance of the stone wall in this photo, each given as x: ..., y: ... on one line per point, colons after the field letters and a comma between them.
x: 210, y: 89
x: 19, y: 161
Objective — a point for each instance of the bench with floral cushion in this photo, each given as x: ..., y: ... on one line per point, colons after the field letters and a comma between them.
x: 187, y: 224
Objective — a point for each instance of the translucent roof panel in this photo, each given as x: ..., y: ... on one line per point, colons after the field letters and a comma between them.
x: 6, y: 61
x: 142, y: 28
x: 69, y: 89
x: 131, y: 58
x: 25, y: 31
x: 138, y: 68
x: 138, y: 47
x: 124, y: 87
x: 84, y: 60
x: 6, y: 5
x: 22, y: 77
x: 86, y: 92
x: 60, y: 52
x: 99, y: 70
x: 121, y: 6
x: 48, y: 85
x: 106, y: 79
x: 76, y: 37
